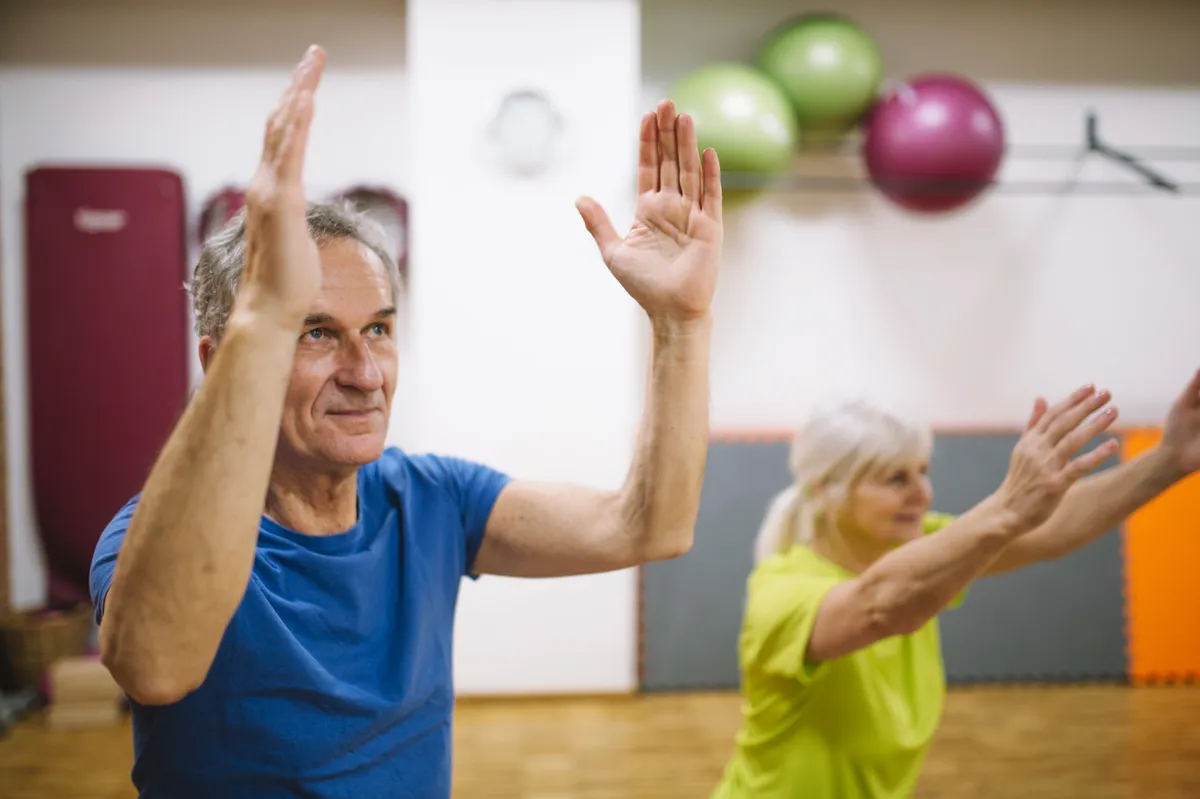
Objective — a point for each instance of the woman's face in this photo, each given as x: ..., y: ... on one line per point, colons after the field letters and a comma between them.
x: 887, y: 508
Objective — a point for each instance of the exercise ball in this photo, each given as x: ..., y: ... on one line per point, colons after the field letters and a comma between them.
x: 829, y: 68
x: 933, y: 143
x: 741, y: 114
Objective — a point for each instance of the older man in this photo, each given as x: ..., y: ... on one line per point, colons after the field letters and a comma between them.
x: 279, y: 600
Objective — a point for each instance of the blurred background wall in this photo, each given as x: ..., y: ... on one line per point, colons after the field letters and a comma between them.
x: 521, y: 351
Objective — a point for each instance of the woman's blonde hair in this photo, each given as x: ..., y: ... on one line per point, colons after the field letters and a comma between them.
x: 840, y: 443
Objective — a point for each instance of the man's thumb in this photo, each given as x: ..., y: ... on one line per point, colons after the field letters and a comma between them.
x: 599, y: 225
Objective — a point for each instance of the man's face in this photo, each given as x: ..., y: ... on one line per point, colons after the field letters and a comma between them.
x: 343, y: 375
x: 344, y: 371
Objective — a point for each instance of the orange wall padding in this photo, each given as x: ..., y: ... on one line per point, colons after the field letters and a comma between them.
x: 1162, y: 578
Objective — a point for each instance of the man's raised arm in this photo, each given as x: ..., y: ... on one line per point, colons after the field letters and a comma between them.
x: 668, y: 263
x: 187, y: 555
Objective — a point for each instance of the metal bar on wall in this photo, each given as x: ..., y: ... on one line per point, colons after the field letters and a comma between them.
x: 1148, y: 180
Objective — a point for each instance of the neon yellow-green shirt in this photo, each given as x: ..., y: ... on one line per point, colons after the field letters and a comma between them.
x: 857, y: 727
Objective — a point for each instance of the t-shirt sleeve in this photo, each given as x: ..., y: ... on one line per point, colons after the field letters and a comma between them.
x: 781, y: 610
x: 104, y: 558
x: 936, y: 521
x: 475, y: 488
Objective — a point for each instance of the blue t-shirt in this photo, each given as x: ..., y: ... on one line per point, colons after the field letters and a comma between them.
x: 334, y: 677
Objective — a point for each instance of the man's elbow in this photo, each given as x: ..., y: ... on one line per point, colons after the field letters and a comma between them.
x: 154, y: 690
x: 143, y: 678
x: 668, y: 544
x: 147, y: 686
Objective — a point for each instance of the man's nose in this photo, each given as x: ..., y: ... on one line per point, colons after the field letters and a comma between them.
x: 359, y: 369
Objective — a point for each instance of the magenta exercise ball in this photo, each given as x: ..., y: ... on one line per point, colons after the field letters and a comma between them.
x: 933, y: 143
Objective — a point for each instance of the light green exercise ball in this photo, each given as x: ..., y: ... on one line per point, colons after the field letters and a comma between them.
x: 741, y: 114
x: 828, y: 67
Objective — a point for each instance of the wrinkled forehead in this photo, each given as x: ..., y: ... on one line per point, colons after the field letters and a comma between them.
x: 348, y: 259
x: 354, y: 281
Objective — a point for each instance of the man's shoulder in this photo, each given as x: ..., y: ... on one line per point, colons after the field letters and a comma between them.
x: 120, y: 521
x: 403, y: 470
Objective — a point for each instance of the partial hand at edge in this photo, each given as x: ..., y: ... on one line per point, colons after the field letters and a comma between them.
x: 1181, y: 433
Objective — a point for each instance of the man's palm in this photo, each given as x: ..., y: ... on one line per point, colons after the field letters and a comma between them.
x: 668, y: 261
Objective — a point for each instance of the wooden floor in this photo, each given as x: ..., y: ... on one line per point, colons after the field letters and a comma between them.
x: 1010, y: 743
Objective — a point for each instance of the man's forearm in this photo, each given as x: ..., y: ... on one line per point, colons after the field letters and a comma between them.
x: 188, y: 553
x: 661, y: 495
x: 1091, y: 508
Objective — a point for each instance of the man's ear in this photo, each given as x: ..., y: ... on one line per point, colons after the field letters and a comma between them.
x: 207, y: 346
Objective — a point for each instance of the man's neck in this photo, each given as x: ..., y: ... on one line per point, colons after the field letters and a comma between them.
x: 313, y: 503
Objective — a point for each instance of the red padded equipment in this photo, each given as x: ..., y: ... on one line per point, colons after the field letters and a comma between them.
x: 107, y: 337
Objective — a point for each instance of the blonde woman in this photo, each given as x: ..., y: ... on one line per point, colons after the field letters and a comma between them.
x: 842, y: 675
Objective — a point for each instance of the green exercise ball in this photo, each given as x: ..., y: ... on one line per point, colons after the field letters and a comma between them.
x: 829, y: 68
x: 741, y: 114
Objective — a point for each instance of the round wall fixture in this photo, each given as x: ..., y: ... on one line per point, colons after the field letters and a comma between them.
x: 526, y: 131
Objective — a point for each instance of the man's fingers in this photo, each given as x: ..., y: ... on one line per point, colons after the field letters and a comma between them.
x: 278, y: 120
x: 647, y: 176
x: 713, y: 196
x: 276, y: 124
x: 294, y: 145
x: 599, y: 225
x: 305, y: 77
x: 668, y: 147
x: 1088, y: 461
x: 690, y: 180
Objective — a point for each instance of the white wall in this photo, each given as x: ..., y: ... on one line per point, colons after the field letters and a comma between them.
x: 967, y: 318
x: 527, y: 348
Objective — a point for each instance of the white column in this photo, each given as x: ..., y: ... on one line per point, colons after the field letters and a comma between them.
x: 527, y: 352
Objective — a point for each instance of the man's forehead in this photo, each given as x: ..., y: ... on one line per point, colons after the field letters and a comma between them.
x: 350, y: 259
x: 354, y: 284
x: 326, y: 313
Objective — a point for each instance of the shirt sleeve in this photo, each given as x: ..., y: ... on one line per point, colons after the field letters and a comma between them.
x: 104, y: 558
x: 475, y: 488
x: 781, y: 610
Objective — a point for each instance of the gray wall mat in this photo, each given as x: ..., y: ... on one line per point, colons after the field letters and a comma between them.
x: 1060, y: 621
x: 693, y: 605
